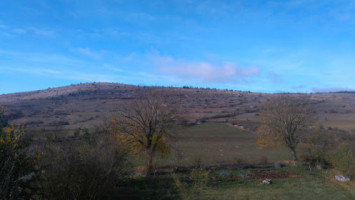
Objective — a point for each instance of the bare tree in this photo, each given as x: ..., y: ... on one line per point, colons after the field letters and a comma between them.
x: 144, y: 123
x: 284, y: 120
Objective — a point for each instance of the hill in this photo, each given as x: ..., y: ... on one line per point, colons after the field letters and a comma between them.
x: 91, y: 104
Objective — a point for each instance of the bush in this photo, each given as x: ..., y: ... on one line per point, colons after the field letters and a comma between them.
x: 3, y: 120
x: 83, y: 170
x: 191, y: 186
x: 317, y: 147
x: 16, y: 167
x: 344, y: 160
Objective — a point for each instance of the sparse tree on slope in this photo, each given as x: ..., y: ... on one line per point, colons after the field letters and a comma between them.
x: 144, y: 123
x: 284, y: 120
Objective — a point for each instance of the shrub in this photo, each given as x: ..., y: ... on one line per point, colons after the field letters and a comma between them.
x: 317, y: 147
x: 16, y: 167
x: 191, y: 186
x: 79, y: 170
x: 344, y: 160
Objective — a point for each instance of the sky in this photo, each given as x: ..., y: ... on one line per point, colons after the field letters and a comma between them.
x: 259, y: 46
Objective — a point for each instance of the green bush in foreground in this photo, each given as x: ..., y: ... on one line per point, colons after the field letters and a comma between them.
x: 344, y: 160
x: 16, y: 167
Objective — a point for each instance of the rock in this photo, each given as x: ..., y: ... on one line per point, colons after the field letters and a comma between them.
x: 223, y: 174
x: 267, y: 182
x: 342, y: 178
x: 244, y: 175
x: 27, y: 177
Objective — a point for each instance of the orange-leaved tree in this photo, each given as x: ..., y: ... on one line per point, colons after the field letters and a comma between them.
x: 285, y: 119
x: 144, y: 123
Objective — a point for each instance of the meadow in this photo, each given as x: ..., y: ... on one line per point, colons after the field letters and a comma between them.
x: 287, y: 183
x: 303, y: 183
x: 214, y: 144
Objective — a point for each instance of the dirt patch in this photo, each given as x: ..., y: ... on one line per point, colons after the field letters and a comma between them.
x: 274, y: 175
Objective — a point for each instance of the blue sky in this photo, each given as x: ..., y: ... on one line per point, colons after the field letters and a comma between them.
x: 260, y: 46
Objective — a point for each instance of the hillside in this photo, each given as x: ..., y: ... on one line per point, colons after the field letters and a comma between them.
x: 89, y: 105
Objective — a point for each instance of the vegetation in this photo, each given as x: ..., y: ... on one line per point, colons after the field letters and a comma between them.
x: 216, y: 144
x: 318, y: 145
x: 220, y: 160
x: 316, y: 186
x: 343, y: 159
x: 16, y: 167
x: 144, y: 124
x: 284, y: 120
x: 83, y: 169
x: 3, y: 120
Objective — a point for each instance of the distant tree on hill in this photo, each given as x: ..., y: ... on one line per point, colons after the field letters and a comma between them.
x: 3, y: 120
x: 284, y: 120
x: 143, y: 124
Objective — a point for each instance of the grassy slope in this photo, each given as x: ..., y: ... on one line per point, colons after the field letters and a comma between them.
x: 215, y: 144
x: 319, y: 185
x: 300, y: 188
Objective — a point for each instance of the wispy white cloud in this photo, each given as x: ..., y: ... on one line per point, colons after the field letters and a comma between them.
x: 41, y: 32
x: 43, y: 59
x: 139, y: 17
x: 13, y: 31
x: 90, y: 53
x: 206, y: 71
x: 274, y: 77
x: 63, y: 67
x: 63, y: 74
x: 331, y: 89
x: 19, y: 31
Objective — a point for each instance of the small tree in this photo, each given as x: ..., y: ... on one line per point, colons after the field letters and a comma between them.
x: 17, y: 170
x: 284, y: 120
x: 16, y: 167
x: 3, y: 120
x: 144, y: 123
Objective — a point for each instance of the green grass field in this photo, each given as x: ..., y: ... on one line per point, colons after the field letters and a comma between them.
x: 313, y: 186
x: 215, y: 144
x: 294, y: 183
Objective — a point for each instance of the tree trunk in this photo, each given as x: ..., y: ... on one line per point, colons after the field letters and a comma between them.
x: 294, y: 155
x: 150, y: 164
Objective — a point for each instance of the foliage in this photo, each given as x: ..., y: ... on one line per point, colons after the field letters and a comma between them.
x: 284, y: 121
x: 317, y: 147
x: 3, y: 120
x: 148, y: 187
x: 144, y: 124
x: 77, y: 170
x: 16, y: 167
x: 191, y: 187
x: 344, y: 160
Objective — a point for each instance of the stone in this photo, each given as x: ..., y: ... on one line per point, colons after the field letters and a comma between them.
x: 223, y: 174
x: 267, y: 181
x: 342, y: 178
